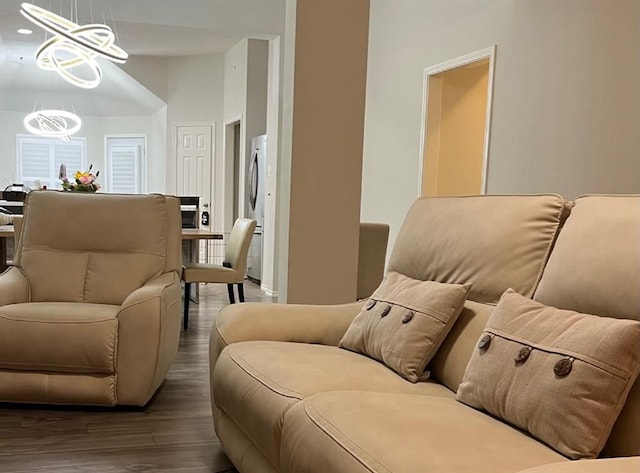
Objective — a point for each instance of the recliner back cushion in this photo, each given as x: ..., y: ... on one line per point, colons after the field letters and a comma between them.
x: 595, y: 269
x: 95, y: 248
x: 492, y: 242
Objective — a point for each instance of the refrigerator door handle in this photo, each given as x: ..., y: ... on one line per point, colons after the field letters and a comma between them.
x: 253, y: 181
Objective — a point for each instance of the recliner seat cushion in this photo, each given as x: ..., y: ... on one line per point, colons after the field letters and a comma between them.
x: 256, y: 382
x: 59, y: 337
x: 364, y: 432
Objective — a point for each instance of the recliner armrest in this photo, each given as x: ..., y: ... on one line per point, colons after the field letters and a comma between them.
x: 151, y: 289
x: 148, y: 337
x: 603, y: 465
x: 322, y: 324
x: 14, y: 287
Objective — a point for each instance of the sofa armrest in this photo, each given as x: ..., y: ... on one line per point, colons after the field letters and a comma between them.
x: 603, y: 465
x: 148, y: 335
x: 323, y: 324
x: 14, y: 287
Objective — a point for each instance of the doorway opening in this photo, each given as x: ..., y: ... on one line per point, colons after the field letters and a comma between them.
x: 456, y: 124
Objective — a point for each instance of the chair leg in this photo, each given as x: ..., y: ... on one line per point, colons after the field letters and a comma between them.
x: 241, y: 291
x: 187, y: 296
x: 232, y: 298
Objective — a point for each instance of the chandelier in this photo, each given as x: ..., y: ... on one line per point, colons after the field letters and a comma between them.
x: 73, y: 47
x: 53, y: 124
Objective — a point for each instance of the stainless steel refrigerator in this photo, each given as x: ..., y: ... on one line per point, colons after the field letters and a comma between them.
x: 255, y: 197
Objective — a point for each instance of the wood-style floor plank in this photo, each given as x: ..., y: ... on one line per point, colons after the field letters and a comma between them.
x: 173, y: 433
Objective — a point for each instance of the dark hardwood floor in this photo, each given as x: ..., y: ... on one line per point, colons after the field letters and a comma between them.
x: 174, y: 433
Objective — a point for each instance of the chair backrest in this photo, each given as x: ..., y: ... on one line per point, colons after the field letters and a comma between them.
x: 238, y: 244
x: 372, y: 254
x: 97, y: 248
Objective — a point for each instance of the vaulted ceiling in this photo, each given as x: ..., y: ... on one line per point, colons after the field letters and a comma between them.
x: 143, y: 27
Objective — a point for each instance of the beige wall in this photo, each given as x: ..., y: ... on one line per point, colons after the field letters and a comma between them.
x: 327, y: 99
x: 150, y: 71
x: 196, y: 95
x: 566, y: 95
x: 245, y: 99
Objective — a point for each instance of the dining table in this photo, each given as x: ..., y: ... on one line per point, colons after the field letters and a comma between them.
x: 190, y: 239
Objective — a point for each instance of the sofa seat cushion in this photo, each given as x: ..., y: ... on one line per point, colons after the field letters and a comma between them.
x: 64, y: 337
x: 358, y: 432
x: 256, y: 382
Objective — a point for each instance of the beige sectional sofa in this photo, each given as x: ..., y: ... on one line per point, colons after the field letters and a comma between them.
x: 287, y: 399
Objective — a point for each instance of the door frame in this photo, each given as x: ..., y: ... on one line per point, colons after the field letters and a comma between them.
x: 486, y: 53
x: 227, y: 170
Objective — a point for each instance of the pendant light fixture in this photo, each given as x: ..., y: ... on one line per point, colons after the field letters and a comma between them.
x: 73, y: 46
x: 53, y: 123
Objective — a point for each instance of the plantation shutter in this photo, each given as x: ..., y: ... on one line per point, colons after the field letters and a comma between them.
x: 124, y: 169
x: 39, y: 159
x: 70, y: 154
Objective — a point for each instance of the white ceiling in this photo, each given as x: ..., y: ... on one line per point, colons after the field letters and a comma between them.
x: 144, y: 28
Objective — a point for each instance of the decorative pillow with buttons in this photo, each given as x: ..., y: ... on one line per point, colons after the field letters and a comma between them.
x: 404, y: 323
x: 560, y: 375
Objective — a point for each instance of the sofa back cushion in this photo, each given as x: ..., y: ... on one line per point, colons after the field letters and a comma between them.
x: 492, y: 242
x: 595, y: 269
x: 95, y: 248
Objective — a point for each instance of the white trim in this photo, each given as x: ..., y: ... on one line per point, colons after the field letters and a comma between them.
x: 486, y: 53
x: 268, y: 291
x: 227, y: 172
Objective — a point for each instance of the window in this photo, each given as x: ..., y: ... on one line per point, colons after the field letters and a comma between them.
x: 125, y: 157
x: 39, y: 159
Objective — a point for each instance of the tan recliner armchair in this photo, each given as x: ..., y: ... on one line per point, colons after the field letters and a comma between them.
x: 90, y: 313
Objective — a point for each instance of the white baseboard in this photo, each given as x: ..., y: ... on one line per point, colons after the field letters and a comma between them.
x: 268, y: 291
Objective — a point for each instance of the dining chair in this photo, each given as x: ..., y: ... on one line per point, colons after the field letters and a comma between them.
x: 231, y: 271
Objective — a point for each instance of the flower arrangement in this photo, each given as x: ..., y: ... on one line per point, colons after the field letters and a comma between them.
x: 84, y: 181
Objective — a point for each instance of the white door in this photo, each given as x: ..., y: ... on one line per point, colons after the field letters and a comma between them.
x: 193, y: 162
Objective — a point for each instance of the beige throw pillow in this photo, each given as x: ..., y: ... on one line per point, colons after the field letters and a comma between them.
x: 404, y: 323
x: 558, y: 374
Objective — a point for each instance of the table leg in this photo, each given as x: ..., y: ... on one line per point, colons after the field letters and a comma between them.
x: 190, y: 254
x: 3, y: 254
